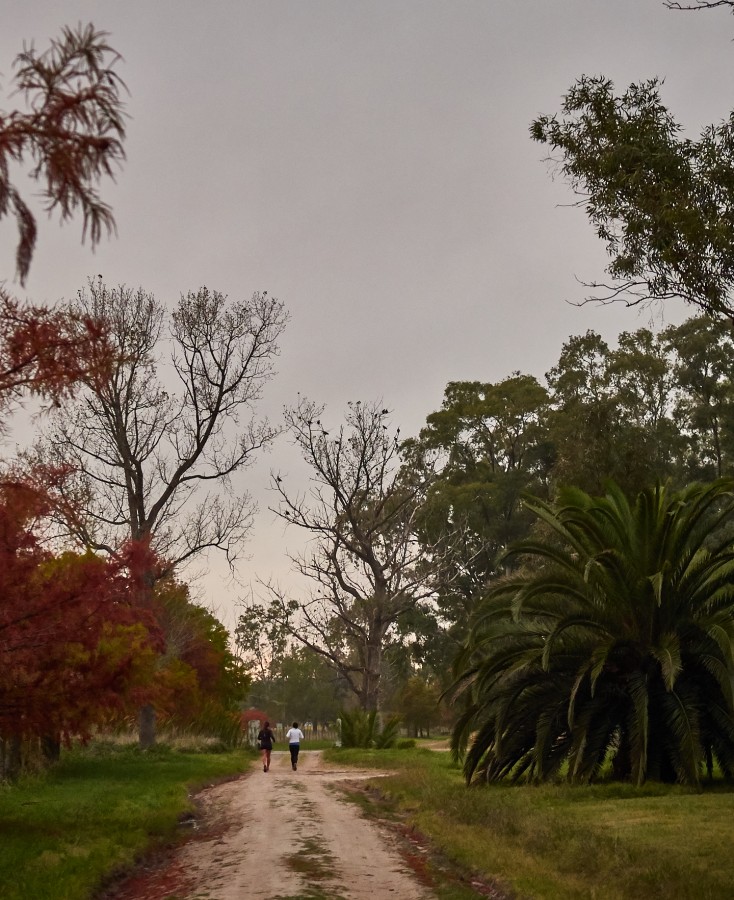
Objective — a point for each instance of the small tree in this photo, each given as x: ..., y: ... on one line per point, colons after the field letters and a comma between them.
x: 204, y: 683
x: 365, y: 561
x: 74, y: 645
x: 418, y: 705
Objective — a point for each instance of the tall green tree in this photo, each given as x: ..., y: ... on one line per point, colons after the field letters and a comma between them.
x: 615, y: 642
x: 703, y: 353
x: 488, y: 442
x: 585, y: 416
x: 662, y: 203
x: 611, y: 412
x: 642, y: 373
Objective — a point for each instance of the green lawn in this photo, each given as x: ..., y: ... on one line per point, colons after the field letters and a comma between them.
x: 558, y: 842
x: 62, y: 833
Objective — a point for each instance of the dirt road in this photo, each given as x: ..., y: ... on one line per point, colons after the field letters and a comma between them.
x: 283, y: 835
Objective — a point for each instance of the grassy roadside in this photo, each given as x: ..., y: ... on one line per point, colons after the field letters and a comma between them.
x: 557, y: 842
x: 64, y: 832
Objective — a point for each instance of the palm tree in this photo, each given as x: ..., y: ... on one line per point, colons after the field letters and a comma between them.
x: 613, y: 643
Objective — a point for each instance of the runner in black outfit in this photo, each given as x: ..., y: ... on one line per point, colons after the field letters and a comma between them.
x: 265, y: 740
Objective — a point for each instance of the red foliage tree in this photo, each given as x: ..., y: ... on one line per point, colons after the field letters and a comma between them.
x: 46, y: 352
x: 71, y: 133
x: 73, y: 641
x: 202, y: 681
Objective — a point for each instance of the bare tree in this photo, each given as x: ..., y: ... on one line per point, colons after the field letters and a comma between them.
x: 142, y: 454
x: 153, y: 464
x: 72, y: 133
x: 699, y: 4
x: 366, y: 566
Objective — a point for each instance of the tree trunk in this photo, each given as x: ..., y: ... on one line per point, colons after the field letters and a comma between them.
x: 51, y: 747
x: 371, y: 677
x: 717, y: 449
x: 622, y: 764
x: 146, y: 715
x: 12, y: 757
x: 146, y: 727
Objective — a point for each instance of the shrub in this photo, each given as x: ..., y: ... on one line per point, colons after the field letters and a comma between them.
x: 362, y: 729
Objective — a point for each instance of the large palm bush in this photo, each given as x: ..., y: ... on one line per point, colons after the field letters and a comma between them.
x: 610, y: 646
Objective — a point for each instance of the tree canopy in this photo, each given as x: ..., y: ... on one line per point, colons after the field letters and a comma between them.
x: 662, y: 203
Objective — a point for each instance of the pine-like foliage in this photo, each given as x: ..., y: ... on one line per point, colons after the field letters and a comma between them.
x: 612, y: 646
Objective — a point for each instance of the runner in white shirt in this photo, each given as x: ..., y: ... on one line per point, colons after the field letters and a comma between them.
x: 294, y: 736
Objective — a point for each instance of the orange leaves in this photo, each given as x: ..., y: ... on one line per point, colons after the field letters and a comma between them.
x: 46, y: 352
x: 74, y: 642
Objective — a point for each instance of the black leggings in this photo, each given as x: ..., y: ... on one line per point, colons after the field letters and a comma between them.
x: 294, y: 748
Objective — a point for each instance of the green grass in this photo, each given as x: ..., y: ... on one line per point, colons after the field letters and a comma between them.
x: 558, y: 842
x: 62, y: 834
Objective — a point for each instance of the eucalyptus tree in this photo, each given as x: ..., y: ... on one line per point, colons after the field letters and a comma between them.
x: 488, y: 442
x: 611, y: 412
x: 641, y: 370
x: 152, y: 450
x: 614, y: 644
x: 584, y: 415
x: 662, y: 203
x: 703, y: 368
x: 365, y: 565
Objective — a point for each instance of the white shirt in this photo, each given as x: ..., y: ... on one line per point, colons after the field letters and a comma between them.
x: 294, y: 736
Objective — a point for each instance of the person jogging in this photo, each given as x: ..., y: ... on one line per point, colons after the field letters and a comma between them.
x: 294, y: 736
x: 265, y: 741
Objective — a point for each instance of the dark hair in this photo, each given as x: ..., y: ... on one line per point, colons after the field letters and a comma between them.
x: 295, y: 724
x: 266, y: 725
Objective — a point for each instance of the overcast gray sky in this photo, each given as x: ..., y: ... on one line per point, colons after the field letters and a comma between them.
x: 369, y: 164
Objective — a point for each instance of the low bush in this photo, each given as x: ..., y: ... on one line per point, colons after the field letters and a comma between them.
x: 362, y: 729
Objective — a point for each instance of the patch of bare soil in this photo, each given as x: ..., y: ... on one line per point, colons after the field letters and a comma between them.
x: 283, y: 835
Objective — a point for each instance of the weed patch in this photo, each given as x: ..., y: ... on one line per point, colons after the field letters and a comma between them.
x: 315, y: 865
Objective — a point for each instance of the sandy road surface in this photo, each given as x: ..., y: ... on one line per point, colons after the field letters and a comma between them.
x: 282, y: 835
